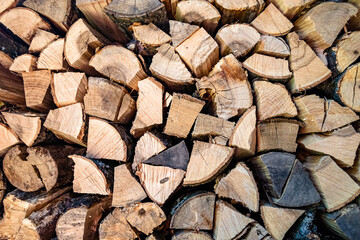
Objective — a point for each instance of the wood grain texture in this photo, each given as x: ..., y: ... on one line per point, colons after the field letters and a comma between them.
x: 272, y: 46
x: 41, y: 40
x: 180, y: 31
x: 24, y: 63
x: 52, y: 56
x: 292, y: 8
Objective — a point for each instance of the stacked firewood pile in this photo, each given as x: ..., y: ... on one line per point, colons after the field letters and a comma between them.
x: 179, y: 120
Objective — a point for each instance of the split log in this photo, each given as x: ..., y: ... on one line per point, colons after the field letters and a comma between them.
x: 149, y: 37
x: 334, y: 196
x: 354, y: 171
x: 207, y: 160
x: 149, y: 107
x: 81, y: 219
x: 318, y: 18
x: 167, y: 99
x: 11, y: 87
x: 68, y: 88
x: 354, y: 22
x: 81, y: 43
x: 243, y: 137
x: 199, y: 12
x: 95, y: 15
x: 227, y: 89
x: 271, y: 21
x: 7, y: 4
x: 279, y: 220
x: 189, y: 235
x: 120, y: 65
x: 52, y: 56
x: 257, y: 232
x: 19, y: 205
x: 37, y: 90
x: 182, y: 114
x: 11, y: 47
x: 277, y: 134
x: 273, y: 100
x: 159, y: 182
x: 115, y: 226
x: 268, y: 67
x: 176, y: 157
x: 5, y: 60
x: 8, y: 139
x: 307, y: 68
x: 61, y: 12
x: 180, y: 31
x: 127, y: 189
x: 168, y: 67
x: 272, y: 46
x: 194, y: 211
x: 67, y: 123
x: 24, y: 63
x: 107, y: 141
x: 343, y: 222
x: 229, y: 223
x: 320, y: 115
x: 200, y: 52
x: 91, y: 176
x: 145, y: 217
x: 341, y: 145
x: 25, y: 26
x: 292, y: 8
x: 237, y: 39
x: 108, y: 100
x: 207, y: 127
x: 242, y: 11
x: 41, y: 40
x: 124, y: 13
x: 239, y: 185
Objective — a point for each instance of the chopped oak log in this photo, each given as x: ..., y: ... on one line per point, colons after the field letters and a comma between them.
x: 82, y: 216
x: 200, y: 51
x: 127, y: 189
x: 37, y: 90
x: 11, y: 87
x: 68, y: 88
x: 277, y: 134
x: 271, y: 21
x: 52, y: 56
x: 168, y: 67
x: 308, y: 69
x: 354, y: 22
x: 115, y: 226
x: 81, y: 43
x: 67, y: 123
x: 237, y: 39
x: 108, y: 100
x: 273, y: 100
x: 180, y: 31
x: 272, y: 46
x: 207, y: 160
x: 334, y: 196
x: 243, y: 137
x: 257, y: 232
x: 239, y: 185
x: 7, y: 4
x: 268, y: 67
x: 293, y: 7
x: 159, y: 182
x: 227, y: 88
x: 145, y: 217
x: 19, y: 205
x: 176, y: 157
x: 189, y: 235
x: 95, y: 15
x: 330, y: 17
x: 279, y: 220
x: 229, y: 223
x: 341, y: 145
x: 320, y: 115
x: 149, y: 107
x: 25, y: 26
x: 8, y: 139
x: 119, y: 64
x: 91, y: 176
x: 182, y: 114
x: 194, y: 211
x: 199, y: 12
x: 241, y: 11
x: 61, y: 12
x: 41, y: 40
x: 24, y: 63
x: 107, y: 141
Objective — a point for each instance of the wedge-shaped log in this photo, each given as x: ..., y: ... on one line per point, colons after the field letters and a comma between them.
x: 272, y: 46
x: 52, y: 56
x: 292, y: 8
x: 7, y: 4
x: 187, y: 234
x: 24, y: 63
x: 8, y: 139
x: 41, y: 40
x: 11, y: 87
x: 180, y: 31
x: 257, y: 231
